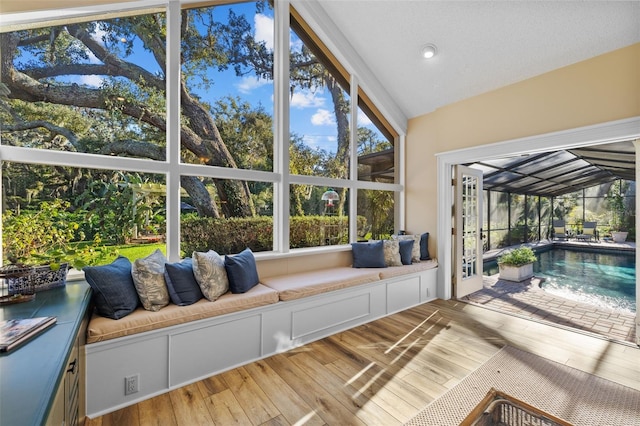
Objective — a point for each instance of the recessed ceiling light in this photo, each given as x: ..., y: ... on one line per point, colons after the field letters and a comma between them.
x: 428, y: 51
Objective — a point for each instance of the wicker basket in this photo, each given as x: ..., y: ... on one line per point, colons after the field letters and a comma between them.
x: 34, y: 279
x: 500, y: 409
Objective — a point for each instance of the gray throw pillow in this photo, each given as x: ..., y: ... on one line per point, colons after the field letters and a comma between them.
x: 392, y: 252
x: 208, y: 268
x: 148, y: 278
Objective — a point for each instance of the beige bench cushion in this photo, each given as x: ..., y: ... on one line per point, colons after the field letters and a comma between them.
x: 307, y: 284
x: 141, y: 320
x: 395, y: 271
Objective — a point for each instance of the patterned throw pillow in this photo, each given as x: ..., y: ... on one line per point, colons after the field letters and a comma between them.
x: 208, y: 268
x: 148, y: 278
x: 392, y: 252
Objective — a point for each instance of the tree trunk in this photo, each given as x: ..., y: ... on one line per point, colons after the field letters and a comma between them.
x: 341, y: 111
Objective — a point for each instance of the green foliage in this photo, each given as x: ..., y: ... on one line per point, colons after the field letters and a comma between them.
x: 247, y: 132
x: 226, y: 236
x: 615, y: 204
x: 235, y: 234
x: 312, y: 231
x: 517, y: 257
x: 109, y: 201
x: 378, y: 207
x: 49, y: 235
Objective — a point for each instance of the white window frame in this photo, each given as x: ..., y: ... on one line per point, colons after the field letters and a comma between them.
x: 172, y: 168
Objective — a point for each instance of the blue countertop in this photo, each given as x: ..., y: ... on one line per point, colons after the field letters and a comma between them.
x: 31, y: 373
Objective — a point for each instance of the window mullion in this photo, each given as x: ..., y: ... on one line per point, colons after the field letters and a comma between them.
x: 281, y: 126
x: 353, y: 161
x: 173, y: 130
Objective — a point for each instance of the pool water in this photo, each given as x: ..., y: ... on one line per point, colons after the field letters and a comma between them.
x: 604, y: 279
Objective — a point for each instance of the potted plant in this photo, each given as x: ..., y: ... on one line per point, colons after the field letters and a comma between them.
x: 517, y: 264
x: 615, y: 203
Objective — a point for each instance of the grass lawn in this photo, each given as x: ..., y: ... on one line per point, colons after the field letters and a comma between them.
x: 138, y: 251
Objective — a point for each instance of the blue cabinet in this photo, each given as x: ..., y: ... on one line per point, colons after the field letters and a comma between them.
x: 46, y: 369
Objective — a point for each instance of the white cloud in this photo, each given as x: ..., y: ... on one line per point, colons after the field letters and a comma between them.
x: 296, y: 45
x: 363, y: 119
x: 312, y: 141
x: 322, y: 117
x: 249, y: 83
x: 305, y: 98
x: 91, y: 80
x: 97, y: 36
x: 264, y: 30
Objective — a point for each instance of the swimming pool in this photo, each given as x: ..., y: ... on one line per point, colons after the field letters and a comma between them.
x: 598, y: 278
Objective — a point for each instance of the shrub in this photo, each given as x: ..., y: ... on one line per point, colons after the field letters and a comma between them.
x: 50, y: 235
x: 235, y: 234
x: 517, y: 257
x: 226, y: 235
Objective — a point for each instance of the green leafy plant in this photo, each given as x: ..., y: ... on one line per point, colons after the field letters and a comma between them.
x: 49, y: 235
x: 615, y: 204
x: 517, y: 257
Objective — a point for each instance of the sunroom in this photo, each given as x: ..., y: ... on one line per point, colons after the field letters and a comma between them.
x: 112, y: 105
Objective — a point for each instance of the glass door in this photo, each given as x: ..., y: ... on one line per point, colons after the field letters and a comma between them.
x: 468, y: 231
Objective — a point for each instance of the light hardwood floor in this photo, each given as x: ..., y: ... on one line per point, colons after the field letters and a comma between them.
x: 381, y: 373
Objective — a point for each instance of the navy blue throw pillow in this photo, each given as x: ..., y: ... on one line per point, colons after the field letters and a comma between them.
x: 406, y: 248
x: 114, y: 293
x: 181, y: 283
x: 368, y: 255
x: 241, y: 271
x: 424, y: 246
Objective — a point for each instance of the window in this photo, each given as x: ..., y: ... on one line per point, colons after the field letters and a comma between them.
x: 375, y: 214
x: 92, y: 87
x: 227, y: 231
x: 319, y: 216
x: 227, y: 68
x: 320, y: 107
x: 376, y: 152
x: 68, y: 209
x: 86, y: 120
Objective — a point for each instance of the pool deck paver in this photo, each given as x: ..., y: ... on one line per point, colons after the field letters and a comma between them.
x: 526, y: 299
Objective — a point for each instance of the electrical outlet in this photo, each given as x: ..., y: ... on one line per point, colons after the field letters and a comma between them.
x: 131, y: 384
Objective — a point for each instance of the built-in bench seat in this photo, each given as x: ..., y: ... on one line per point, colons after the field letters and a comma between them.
x: 396, y: 271
x: 179, y: 345
x: 141, y: 320
x: 305, y: 284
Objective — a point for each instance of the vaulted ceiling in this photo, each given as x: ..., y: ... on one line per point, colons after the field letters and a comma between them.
x: 482, y: 45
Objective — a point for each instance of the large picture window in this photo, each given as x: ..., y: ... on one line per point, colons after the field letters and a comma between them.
x: 96, y: 125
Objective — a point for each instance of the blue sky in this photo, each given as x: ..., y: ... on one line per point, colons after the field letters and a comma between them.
x: 311, y: 111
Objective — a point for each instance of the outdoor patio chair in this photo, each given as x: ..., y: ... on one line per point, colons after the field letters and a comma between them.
x: 588, y: 232
x: 559, y: 230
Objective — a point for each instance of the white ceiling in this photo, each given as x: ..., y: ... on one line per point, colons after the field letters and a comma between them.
x: 482, y: 45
